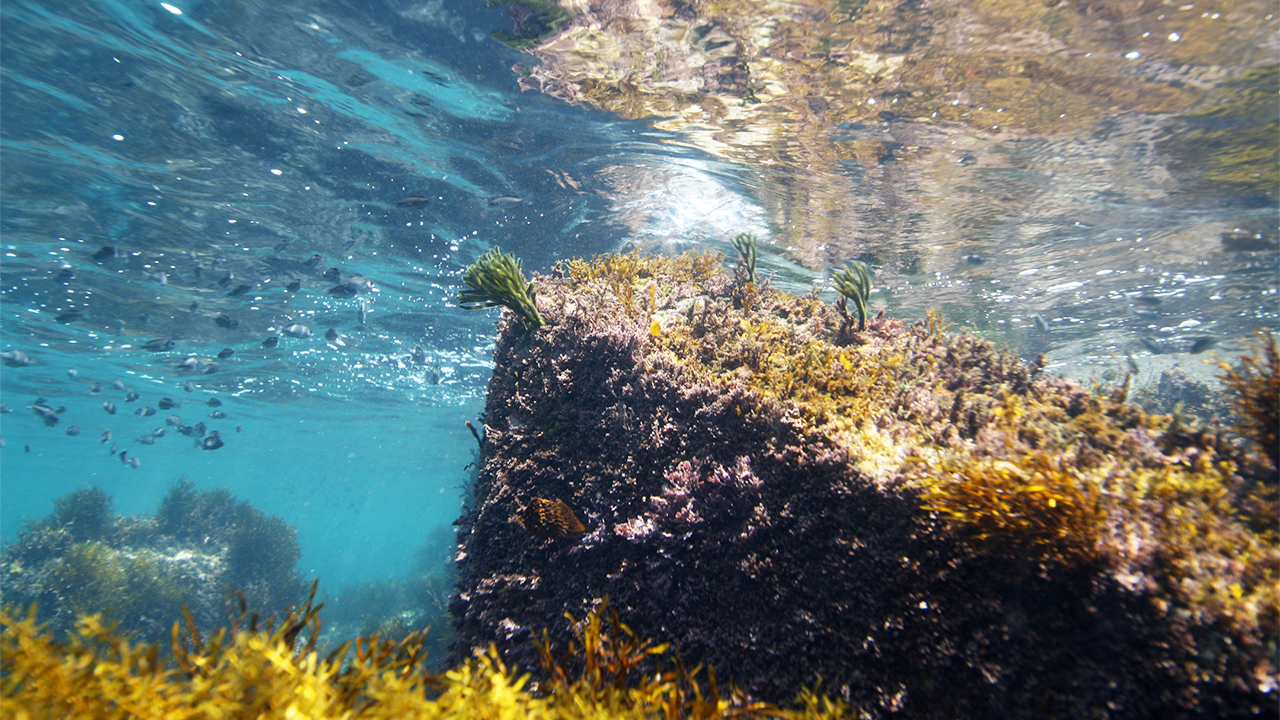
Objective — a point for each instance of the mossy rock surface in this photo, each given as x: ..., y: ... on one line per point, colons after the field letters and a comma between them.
x: 929, y: 526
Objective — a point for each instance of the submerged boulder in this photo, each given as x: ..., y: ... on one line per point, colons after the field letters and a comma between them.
x: 925, y: 525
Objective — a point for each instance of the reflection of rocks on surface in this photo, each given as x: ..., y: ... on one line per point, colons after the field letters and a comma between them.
x: 781, y: 84
x: 752, y: 483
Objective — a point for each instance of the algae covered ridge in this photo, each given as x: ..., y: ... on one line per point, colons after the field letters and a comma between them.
x: 700, y: 497
x: 910, y: 515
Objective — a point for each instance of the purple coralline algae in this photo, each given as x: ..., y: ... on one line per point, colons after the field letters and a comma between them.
x: 927, y: 526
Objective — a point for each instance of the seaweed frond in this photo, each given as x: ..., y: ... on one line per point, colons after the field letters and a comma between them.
x: 496, y: 279
x: 1034, y: 506
x: 1256, y: 386
x: 609, y: 665
x: 854, y: 283
x: 272, y: 672
x: 745, y: 244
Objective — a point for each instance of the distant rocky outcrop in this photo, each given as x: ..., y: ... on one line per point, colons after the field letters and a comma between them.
x: 197, y: 551
x: 925, y: 525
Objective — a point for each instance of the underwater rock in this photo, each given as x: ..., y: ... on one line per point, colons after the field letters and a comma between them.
x: 931, y: 527
x: 196, y: 549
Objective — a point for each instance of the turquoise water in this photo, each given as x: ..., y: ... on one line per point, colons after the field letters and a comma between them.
x: 197, y: 138
x: 213, y: 146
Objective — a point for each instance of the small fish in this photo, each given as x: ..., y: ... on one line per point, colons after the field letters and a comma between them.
x: 45, y: 413
x: 194, y: 306
x: 159, y: 345
x: 113, y: 450
x: 1146, y: 314
x: 26, y: 448
x: 106, y: 437
x: 1147, y: 299
x: 294, y: 286
x: 217, y: 415
x: 312, y: 261
x: 147, y: 439
x: 189, y: 386
x: 225, y: 353
x: 505, y: 200
x: 167, y: 404
x: 363, y: 313
x: 132, y: 396
x: 213, y: 402
x: 159, y: 433
x: 1203, y: 343
x: 70, y: 316
x: 174, y: 420
x: 108, y: 252
x: 413, y: 201
x: 72, y: 373
x: 159, y: 277
x: 145, y: 411
x: 239, y: 290
x: 198, y: 429
x: 117, y: 384
x: 297, y: 331
x: 1239, y: 240
x: 435, y: 376
x: 238, y: 427
x: 418, y: 355
x: 1041, y: 324
x: 74, y: 430
x: 110, y: 407
x: 348, y: 244
x: 213, y: 442
x: 227, y: 279
x: 134, y: 462
x: 974, y: 259
x: 359, y: 282
x: 95, y: 388
x: 223, y: 321
x: 333, y: 274
x: 271, y: 342
x: 344, y: 290
x: 549, y: 519
x: 281, y: 246
x: 124, y: 456
x: 1154, y: 347
x: 15, y: 358
x: 186, y: 430
x: 331, y: 335
x: 4, y: 409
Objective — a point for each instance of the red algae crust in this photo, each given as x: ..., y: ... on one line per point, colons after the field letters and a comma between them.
x: 926, y: 525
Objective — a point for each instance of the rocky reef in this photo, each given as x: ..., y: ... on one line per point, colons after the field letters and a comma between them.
x: 928, y: 526
x: 202, y: 550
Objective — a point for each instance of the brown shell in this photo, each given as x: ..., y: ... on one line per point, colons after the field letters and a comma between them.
x: 549, y: 519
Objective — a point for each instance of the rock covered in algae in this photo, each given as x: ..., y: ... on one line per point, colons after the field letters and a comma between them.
x: 140, y: 571
x: 923, y: 523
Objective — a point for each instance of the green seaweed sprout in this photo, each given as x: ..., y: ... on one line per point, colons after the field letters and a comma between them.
x: 854, y: 283
x: 745, y: 244
x: 495, y: 279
